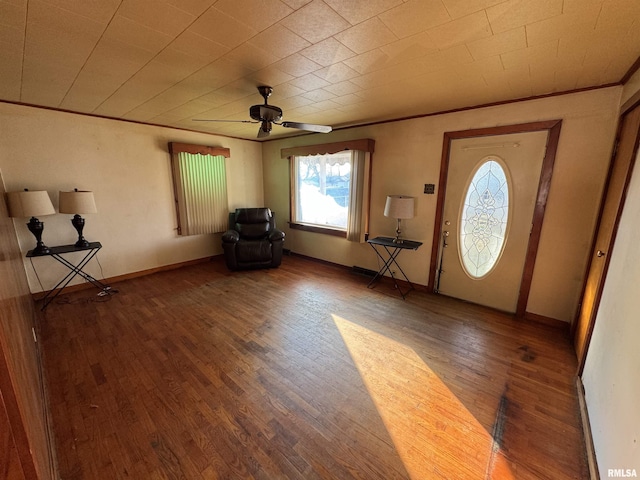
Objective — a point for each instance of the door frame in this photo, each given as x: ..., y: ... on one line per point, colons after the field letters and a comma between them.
x: 583, y: 349
x: 553, y: 128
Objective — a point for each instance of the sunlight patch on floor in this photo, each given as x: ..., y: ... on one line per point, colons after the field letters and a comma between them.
x: 433, y: 432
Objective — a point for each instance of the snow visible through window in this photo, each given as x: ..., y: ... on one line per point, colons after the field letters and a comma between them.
x: 322, y: 190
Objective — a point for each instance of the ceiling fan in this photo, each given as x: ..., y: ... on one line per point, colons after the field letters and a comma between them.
x: 267, y: 115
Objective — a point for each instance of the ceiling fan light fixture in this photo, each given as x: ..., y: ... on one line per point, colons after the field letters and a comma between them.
x: 265, y: 129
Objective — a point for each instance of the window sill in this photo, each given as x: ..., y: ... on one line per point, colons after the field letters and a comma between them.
x: 317, y: 229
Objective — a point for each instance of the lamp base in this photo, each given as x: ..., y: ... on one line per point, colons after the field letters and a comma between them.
x: 78, y: 222
x: 36, y: 227
x: 398, y: 239
x: 41, y: 249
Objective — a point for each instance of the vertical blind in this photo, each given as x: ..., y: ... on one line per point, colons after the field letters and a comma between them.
x: 200, y: 185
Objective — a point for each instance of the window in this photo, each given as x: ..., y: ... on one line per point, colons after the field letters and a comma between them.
x: 330, y: 188
x: 484, y: 219
x: 321, y: 187
x: 200, y: 188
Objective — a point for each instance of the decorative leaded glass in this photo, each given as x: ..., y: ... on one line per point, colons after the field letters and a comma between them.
x: 483, y: 223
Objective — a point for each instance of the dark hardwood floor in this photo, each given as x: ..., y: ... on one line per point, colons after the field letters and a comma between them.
x: 302, y: 372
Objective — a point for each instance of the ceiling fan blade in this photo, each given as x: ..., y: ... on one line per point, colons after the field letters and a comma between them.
x: 307, y: 126
x: 208, y: 120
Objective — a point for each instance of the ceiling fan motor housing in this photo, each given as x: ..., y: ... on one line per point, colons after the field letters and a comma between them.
x: 270, y: 113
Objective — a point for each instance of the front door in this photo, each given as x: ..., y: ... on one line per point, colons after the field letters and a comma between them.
x: 491, y: 192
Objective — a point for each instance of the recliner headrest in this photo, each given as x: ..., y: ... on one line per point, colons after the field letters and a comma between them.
x: 252, y: 215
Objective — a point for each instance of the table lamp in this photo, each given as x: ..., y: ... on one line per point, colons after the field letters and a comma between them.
x: 399, y: 207
x: 31, y: 204
x: 78, y: 202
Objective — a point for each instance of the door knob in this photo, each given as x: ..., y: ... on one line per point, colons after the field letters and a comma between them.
x: 600, y: 253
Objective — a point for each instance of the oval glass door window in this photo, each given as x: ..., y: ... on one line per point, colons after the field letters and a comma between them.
x: 484, y: 219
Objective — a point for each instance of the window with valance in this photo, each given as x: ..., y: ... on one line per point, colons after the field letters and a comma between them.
x: 330, y: 188
x: 200, y: 188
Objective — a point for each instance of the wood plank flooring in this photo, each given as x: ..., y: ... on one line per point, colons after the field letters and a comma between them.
x: 302, y: 372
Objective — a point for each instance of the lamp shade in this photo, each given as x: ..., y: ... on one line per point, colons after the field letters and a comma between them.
x: 77, y: 201
x: 399, y: 206
x: 30, y: 204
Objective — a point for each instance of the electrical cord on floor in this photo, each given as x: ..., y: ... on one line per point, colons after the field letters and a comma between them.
x: 67, y: 301
x: 103, y: 295
x: 107, y: 292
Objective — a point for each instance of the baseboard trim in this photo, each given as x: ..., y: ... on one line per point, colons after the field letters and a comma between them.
x: 594, y: 474
x: 127, y: 276
x: 552, y: 322
x: 404, y: 284
x: 319, y: 260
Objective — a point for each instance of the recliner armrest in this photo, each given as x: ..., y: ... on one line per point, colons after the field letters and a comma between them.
x: 230, y: 236
x: 276, y: 235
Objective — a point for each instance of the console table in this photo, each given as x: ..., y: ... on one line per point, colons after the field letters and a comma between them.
x: 381, y: 245
x: 75, y: 269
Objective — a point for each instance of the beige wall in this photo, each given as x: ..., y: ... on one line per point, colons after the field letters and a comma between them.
x: 612, y: 370
x: 408, y: 155
x: 127, y: 166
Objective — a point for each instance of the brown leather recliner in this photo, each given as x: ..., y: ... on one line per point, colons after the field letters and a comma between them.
x: 252, y: 241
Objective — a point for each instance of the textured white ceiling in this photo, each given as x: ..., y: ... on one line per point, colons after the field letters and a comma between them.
x: 333, y: 62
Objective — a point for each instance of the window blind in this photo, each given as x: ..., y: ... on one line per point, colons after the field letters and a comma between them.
x: 200, y: 185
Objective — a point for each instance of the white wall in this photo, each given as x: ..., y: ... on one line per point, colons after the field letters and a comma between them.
x: 611, y: 374
x: 408, y: 155
x: 128, y: 167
